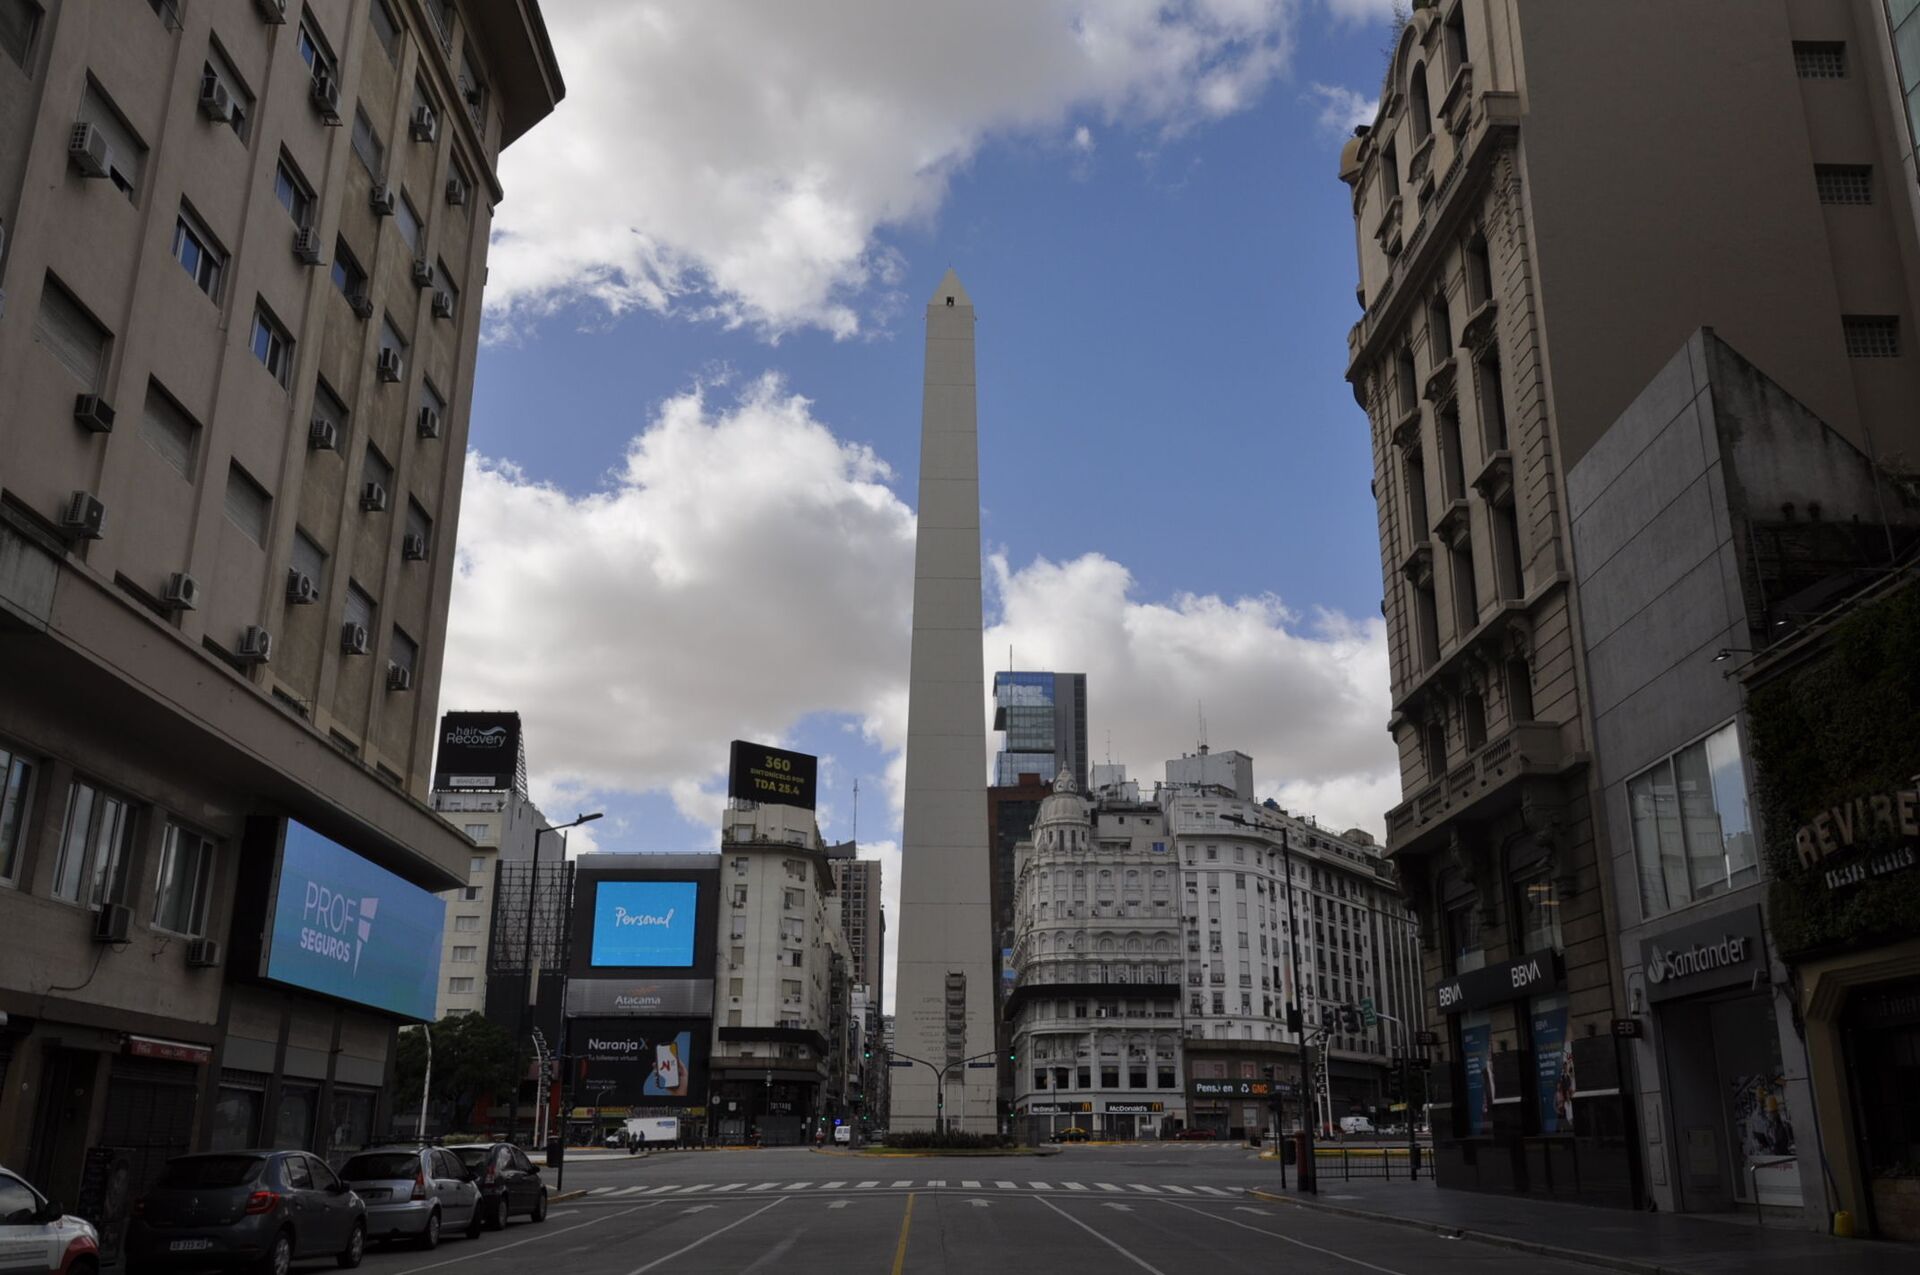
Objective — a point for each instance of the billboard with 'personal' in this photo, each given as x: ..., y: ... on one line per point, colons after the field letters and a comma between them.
x: 343, y: 927
x: 644, y: 923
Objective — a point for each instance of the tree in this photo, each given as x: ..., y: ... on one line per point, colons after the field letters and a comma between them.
x: 473, y: 1058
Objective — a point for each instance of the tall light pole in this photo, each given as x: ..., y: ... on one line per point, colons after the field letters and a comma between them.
x: 426, y: 1083
x: 526, y: 953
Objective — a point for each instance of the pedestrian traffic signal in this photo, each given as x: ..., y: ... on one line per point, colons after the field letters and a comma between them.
x: 1349, y: 1019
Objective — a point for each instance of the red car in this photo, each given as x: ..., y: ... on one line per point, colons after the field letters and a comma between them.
x: 1195, y: 1135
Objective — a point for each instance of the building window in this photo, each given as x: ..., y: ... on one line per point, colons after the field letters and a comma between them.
x: 1871, y: 336
x: 293, y: 192
x: 93, y: 847
x: 1844, y: 183
x: 169, y: 431
x: 1463, y: 936
x: 183, y: 883
x: 16, y: 786
x: 247, y: 504
x: 459, y: 984
x: 1820, y: 59
x: 475, y: 832
x: 217, y: 70
x: 466, y: 924
x: 71, y: 335
x: 386, y: 29
x: 1419, y: 110
x: 1539, y: 910
x: 390, y: 339
x: 272, y: 345
x: 359, y: 608
x: 126, y: 155
x: 1692, y: 834
x: 197, y: 253
x: 441, y: 11
x: 347, y: 274
x: 473, y: 90
x: 404, y: 653
x: 1519, y: 683
x: 792, y: 899
x: 377, y: 469
x: 1466, y: 590
x: 19, y: 23
x: 477, y: 863
x: 407, y: 221
x: 367, y: 145
x: 469, y: 893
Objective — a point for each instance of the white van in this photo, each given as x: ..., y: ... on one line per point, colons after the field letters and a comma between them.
x: 1355, y: 1124
x: 843, y: 1134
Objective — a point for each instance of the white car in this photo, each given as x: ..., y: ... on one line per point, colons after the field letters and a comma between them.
x: 36, y: 1235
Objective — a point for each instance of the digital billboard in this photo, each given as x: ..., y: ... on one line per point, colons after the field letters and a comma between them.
x: 644, y: 923
x: 632, y: 1062
x: 758, y: 772
x: 344, y: 927
x: 478, y: 751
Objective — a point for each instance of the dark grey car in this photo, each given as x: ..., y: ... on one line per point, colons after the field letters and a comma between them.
x: 510, y: 1183
x: 255, y: 1209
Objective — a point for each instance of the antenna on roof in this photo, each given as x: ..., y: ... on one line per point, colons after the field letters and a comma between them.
x: 853, y: 834
x: 1200, y: 709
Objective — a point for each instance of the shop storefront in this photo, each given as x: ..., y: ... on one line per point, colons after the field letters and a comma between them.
x: 1727, y: 1136
x: 1836, y: 733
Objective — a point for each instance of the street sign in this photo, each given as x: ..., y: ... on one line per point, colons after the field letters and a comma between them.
x: 899, y: 1062
x: 1629, y: 1027
x: 1367, y: 1015
x: 1426, y: 1038
x: 977, y: 1066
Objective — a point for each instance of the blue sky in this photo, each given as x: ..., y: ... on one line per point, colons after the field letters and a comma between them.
x: 693, y: 516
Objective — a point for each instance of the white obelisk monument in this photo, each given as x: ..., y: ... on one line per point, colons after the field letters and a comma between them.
x: 943, y: 1010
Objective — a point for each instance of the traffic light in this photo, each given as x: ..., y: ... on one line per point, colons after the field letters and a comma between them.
x: 1295, y: 1020
x: 1349, y: 1019
x: 1013, y: 1056
x: 1394, y: 1088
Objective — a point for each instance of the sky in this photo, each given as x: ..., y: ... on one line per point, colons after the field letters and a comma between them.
x: 694, y: 435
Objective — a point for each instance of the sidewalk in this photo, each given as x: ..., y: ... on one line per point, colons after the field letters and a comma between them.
x: 1648, y: 1243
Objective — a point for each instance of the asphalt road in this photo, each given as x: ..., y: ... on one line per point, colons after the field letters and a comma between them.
x: 1159, y: 1209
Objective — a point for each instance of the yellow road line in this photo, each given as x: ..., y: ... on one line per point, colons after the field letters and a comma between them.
x: 900, y: 1253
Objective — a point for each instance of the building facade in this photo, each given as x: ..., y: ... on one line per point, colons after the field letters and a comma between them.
x: 857, y: 888
x: 1042, y: 720
x: 222, y: 649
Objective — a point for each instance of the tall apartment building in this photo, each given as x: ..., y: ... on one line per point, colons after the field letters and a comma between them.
x: 779, y: 1012
x: 857, y: 884
x: 1042, y: 718
x: 1096, y: 1002
x: 244, y: 246
x: 1549, y: 205
x: 1268, y: 896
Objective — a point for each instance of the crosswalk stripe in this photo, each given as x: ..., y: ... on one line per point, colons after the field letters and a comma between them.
x: 764, y: 1186
x: 828, y: 1186
x: 941, y: 1182
x: 1040, y: 1186
x: 903, y: 1182
x: 731, y: 1186
x: 697, y: 1186
x: 1179, y: 1190
x: 1074, y: 1186
x: 1145, y: 1190
x: 870, y: 1182
x: 1106, y: 1186
x: 628, y: 1190
x: 665, y: 1190
x: 1005, y: 1186
x: 799, y: 1186
x: 970, y: 1184
x: 1212, y: 1190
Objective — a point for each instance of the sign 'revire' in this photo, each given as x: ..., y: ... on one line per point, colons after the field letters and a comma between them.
x: 775, y: 776
x: 478, y: 750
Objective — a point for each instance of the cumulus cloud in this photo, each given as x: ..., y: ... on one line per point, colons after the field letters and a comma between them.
x: 735, y: 160
x: 1341, y: 109
x: 1365, y: 11
x: 1305, y: 695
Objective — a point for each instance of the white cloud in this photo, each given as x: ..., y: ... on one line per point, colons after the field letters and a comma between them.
x: 1363, y: 11
x: 1306, y: 698
x: 735, y: 160
x: 744, y: 568
x: 1342, y: 110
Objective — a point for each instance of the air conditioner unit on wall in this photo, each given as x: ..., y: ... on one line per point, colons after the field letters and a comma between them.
x: 111, y: 923
x: 398, y: 678
x: 306, y: 246
x: 203, y: 953
x: 362, y: 304
x: 215, y: 102
x: 383, y: 201
x: 93, y: 412
x: 326, y: 97
x: 301, y: 590
x: 388, y: 365
x: 273, y: 12
x: 256, y: 645
x: 443, y: 305
x: 413, y: 547
x: 422, y: 125
x: 429, y: 423
x: 456, y: 191
x: 182, y: 592
x: 353, y: 638
x: 323, y: 435
x: 87, y: 148
x: 373, y: 497
x: 422, y: 272
x: 84, y: 517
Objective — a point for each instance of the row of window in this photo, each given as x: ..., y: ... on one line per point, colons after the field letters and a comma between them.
x: 94, y: 857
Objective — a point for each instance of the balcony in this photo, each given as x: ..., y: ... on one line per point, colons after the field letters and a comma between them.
x: 1439, y: 389
x: 1406, y: 430
x: 1487, y: 781
x: 1494, y: 482
x: 1452, y: 524
x: 1417, y: 566
x: 1454, y: 106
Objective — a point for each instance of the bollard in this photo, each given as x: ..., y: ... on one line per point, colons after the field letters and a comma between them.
x: 1305, y: 1171
x: 1843, y: 1224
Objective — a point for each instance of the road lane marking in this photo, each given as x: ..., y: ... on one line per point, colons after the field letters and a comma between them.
x: 900, y: 1252
x: 1212, y: 1190
x: 1106, y: 1186
x: 697, y: 1186
x: 1006, y: 1186
x: 798, y: 1186
x: 1141, y: 1262
x: 870, y: 1182
x: 1178, y: 1190
x: 981, y: 1204
x: 698, y: 1208
x: 970, y: 1184
x: 1145, y: 1190
x: 900, y: 1184
x: 578, y: 1226
x: 1243, y: 1208
x: 662, y: 1190
x: 828, y: 1186
x: 770, y: 1204
x: 1261, y: 1230
x: 1124, y: 1208
x: 1074, y: 1186
x: 1040, y: 1186
x: 764, y: 1186
x: 938, y: 1182
x: 839, y: 1204
x: 731, y: 1186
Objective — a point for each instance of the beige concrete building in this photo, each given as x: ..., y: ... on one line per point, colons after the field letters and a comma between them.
x: 244, y: 247
x: 1548, y: 205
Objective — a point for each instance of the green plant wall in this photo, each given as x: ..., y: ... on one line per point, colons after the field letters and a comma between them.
x: 1845, y: 724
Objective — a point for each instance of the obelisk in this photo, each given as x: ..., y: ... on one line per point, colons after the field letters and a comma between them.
x: 943, y: 1010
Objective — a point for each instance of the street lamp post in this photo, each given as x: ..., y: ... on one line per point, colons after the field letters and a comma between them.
x: 526, y: 949
x: 940, y: 1080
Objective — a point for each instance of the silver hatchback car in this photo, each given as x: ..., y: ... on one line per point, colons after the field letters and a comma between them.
x: 414, y: 1192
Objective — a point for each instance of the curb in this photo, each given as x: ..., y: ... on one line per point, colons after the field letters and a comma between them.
x: 564, y: 1196
x: 1581, y: 1256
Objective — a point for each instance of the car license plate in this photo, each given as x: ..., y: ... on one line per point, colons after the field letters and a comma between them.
x: 375, y: 1193
x: 189, y: 1246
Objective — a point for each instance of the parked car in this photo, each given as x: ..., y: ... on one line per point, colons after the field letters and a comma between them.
x: 1070, y: 1134
x: 263, y: 1209
x: 38, y: 1235
x: 1195, y: 1135
x: 509, y: 1182
x: 414, y: 1193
